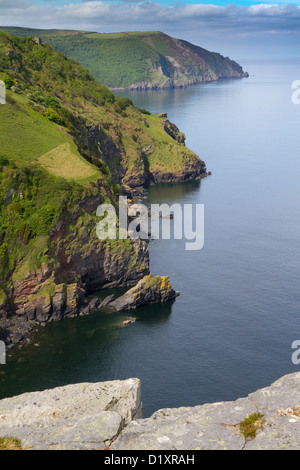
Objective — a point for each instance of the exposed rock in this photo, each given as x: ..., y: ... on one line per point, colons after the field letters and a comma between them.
x: 107, y: 301
x: 83, y: 416
x: 126, y: 322
x: 216, y: 426
x: 30, y: 284
x: 59, y: 301
x: 9, y: 196
x: 149, y: 290
x: 173, y: 131
x: 109, y: 414
x: 191, y: 170
x: 94, y: 303
x: 101, y: 265
x: 49, y: 294
x: 75, y: 298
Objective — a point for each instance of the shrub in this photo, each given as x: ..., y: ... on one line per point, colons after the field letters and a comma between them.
x: 101, y: 165
x: 8, y: 81
x: 3, y: 256
x: 3, y: 161
x: 123, y: 103
x: 144, y: 111
x: 53, y: 116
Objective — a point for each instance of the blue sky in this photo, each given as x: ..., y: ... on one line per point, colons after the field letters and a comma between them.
x: 241, y: 30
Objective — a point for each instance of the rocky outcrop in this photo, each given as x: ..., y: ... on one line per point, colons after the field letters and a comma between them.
x: 173, y: 131
x: 217, y: 426
x: 149, y: 290
x: 191, y: 170
x: 109, y: 415
x: 82, y: 416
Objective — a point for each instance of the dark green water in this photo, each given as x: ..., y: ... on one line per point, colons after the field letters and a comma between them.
x: 230, y: 331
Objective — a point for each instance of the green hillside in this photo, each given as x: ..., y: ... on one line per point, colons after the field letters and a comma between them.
x: 138, y: 60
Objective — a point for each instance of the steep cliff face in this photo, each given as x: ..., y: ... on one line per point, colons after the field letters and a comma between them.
x: 52, y: 280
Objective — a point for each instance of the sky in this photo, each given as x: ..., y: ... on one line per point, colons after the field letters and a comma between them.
x: 241, y: 30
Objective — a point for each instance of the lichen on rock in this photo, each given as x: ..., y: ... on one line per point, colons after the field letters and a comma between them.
x: 149, y: 290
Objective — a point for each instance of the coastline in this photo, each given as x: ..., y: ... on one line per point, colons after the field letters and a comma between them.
x: 169, y: 86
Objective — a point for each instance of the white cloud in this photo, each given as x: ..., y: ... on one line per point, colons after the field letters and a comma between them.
x: 198, y: 23
x: 104, y: 15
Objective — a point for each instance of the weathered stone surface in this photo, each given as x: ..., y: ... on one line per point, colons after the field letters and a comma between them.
x: 59, y: 301
x: 92, y: 416
x: 216, y: 426
x: 107, y: 300
x: 80, y: 416
x: 149, y: 290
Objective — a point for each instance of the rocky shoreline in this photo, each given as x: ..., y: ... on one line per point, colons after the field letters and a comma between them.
x: 108, y: 415
x: 149, y: 290
x: 50, y: 295
x: 172, y: 84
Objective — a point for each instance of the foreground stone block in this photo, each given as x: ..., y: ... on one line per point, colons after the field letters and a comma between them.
x: 217, y: 426
x: 80, y: 416
x: 93, y: 416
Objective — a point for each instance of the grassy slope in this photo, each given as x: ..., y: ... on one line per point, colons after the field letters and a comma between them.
x: 120, y: 60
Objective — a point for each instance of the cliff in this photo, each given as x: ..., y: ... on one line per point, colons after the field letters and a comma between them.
x: 139, y: 60
x: 107, y: 415
x: 67, y: 146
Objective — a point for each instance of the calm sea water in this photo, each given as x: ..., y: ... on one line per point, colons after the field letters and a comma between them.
x: 230, y: 331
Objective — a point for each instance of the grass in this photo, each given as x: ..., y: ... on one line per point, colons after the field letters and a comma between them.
x: 41, y: 140
x: 167, y: 153
x: 34, y: 257
x: 10, y: 443
x: 65, y: 162
x: 2, y: 296
x: 251, y: 424
x: 25, y: 134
